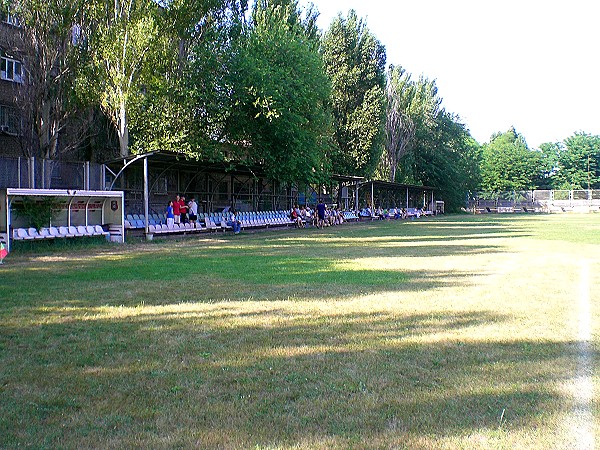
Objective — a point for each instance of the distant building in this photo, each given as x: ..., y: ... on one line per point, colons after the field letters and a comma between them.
x: 12, y: 75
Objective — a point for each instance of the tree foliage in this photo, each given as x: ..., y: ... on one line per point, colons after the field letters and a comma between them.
x: 124, y: 38
x: 280, y: 116
x: 579, y: 162
x: 412, y: 109
x: 507, y: 164
x: 355, y: 63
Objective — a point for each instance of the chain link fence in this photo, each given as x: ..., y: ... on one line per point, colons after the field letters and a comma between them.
x: 36, y: 173
x: 535, y: 201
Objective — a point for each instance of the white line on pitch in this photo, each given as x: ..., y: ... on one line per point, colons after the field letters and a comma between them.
x: 583, y: 388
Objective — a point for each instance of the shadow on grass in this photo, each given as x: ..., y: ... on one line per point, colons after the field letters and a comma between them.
x: 271, y: 379
x: 156, y: 275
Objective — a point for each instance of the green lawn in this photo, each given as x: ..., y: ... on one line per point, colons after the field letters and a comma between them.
x: 456, y: 332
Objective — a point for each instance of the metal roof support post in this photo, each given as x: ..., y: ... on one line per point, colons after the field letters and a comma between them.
x: 69, y: 208
x: 146, y: 197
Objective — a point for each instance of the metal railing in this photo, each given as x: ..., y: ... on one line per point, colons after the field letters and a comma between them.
x: 536, y: 200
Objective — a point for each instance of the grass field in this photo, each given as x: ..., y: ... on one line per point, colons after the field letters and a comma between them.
x: 456, y: 332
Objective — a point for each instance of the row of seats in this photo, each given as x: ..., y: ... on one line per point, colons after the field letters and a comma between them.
x: 25, y: 234
x: 217, y: 221
x: 138, y: 220
x: 175, y: 228
x: 410, y: 213
x: 350, y: 215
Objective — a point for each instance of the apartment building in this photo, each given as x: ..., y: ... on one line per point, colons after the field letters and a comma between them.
x: 11, y: 79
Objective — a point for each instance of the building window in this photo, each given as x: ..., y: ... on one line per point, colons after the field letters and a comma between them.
x: 11, y: 70
x: 9, y: 120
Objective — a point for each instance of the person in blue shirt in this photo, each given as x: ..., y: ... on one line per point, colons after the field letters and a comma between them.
x: 321, y: 213
x: 234, y: 223
x: 170, y: 215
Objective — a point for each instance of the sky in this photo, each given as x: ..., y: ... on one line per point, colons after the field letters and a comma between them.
x: 531, y: 64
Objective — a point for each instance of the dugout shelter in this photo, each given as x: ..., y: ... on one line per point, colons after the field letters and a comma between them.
x: 71, y: 208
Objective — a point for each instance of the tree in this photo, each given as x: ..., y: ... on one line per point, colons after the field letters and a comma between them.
x: 412, y: 108
x: 355, y: 63
x: 507, y: 164
x: 46, y: 43
x: 187, y: 96
x: 578, y: 163
x: 549, y: 154
x: 280, y: 92
x: 123, y: 34
x: 399, y: 126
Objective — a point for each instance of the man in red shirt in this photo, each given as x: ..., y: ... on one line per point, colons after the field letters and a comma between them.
x: 176, y: 211
x: 183, y: 210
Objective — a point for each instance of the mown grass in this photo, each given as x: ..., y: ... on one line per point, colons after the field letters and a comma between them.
x: 457, y: 332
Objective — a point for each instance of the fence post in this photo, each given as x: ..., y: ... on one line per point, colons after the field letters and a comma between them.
x: 103, y: 177
x: 86, y: 175
x: 31, y: 172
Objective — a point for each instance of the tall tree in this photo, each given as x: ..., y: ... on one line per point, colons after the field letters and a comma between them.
x: 280, y: 117
x: 355, y: 63
x: 412, y: 109
x: 508, y: 164
x: 187, y: 98
x: 123, y: 34
x: 578, y: 163
x: 446, y: 157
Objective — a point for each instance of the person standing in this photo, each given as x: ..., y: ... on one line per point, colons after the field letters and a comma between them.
x: 193, y: 210
x: 183, y: 210
x: 170, y: 215
x: 176, y: 212
x: 321, y: 213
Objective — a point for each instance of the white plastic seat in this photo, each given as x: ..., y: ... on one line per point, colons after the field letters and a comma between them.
x: 20, y: 234
x: 74, y: 231
x: 100, y: 230
x: 81, y: 229
x: 33, y: 232
x: 64, y: 232
x: 45, y: 233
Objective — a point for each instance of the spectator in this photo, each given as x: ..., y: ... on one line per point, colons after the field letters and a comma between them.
x: 170, y: 215
x: 183, y: 210
x: 193, y: 210
x: 321, y: 213
x: 176, y: 212
x: 234, y: 223
x: 295, y: 216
